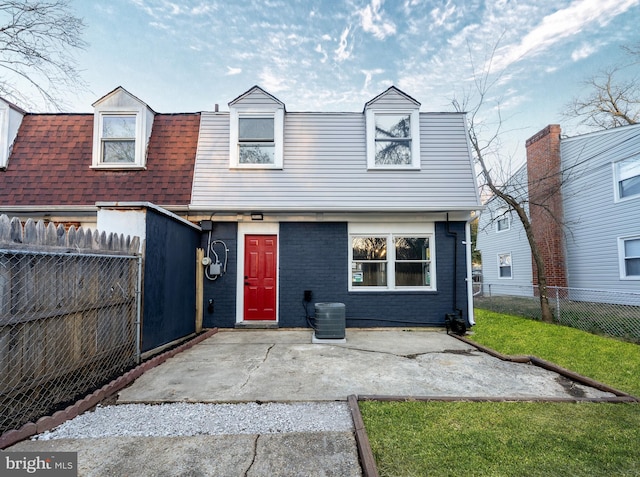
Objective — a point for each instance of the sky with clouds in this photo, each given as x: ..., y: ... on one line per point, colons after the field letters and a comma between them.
x: 188, y: 55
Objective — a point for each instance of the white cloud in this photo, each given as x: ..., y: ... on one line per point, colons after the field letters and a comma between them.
x: 439, y: 16
x: 373, y: 21
x: 233, y: 71
x: 343, y: 52
x: 270, y: 81
x: 562, y: 24
x: 583, y: 52
x: 368, y: 75
x: 320, y: 50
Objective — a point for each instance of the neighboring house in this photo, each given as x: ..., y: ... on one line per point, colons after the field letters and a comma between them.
x: 370, y: 209
x: 506, y: 257
x: 599, y: 202
x: 56, y: 167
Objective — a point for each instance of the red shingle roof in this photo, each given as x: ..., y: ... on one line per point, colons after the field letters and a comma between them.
x: 51, y: 164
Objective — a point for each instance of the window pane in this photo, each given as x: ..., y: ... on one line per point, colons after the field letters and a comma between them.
x: 118, y: 127
x: 118, y: 151
x: 369, y: 274
x: 629, y: 187
x: 256, y: 129
x: 393, y: 152
x: 632, y: 248
x: 410, y: 248
x: 257, y: 154
x: 503, y: 224
x: 632, y: 267
x: 505, y: 272
x: 412, y: 274
x: 389, y: 126
x: 369, y: 248
x: 629, y: 168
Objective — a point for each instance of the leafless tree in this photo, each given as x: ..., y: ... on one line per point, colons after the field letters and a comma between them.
x: 37, y: 39
x: 610, y: 101
x: 494, y: 170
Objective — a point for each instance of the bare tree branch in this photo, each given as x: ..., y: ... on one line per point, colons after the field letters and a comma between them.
x: 610, y: 102
x: 37, y: 39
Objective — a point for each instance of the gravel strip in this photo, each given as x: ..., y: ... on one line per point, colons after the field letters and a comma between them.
x: 192, y: 419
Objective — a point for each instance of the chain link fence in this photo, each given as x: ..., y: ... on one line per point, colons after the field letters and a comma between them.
x: 68, y: 324
x: 611, y: 313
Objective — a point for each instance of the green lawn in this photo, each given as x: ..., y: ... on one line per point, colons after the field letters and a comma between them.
x: 518, y: 439
x: 613, y: 362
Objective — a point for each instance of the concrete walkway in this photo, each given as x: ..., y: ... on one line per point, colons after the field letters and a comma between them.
x: 283, y: 365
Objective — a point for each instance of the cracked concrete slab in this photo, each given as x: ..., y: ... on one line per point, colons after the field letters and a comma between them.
x: 243, y: 455
x: 283, y: 365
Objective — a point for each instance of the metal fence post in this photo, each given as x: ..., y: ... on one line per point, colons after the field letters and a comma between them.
x: 139, y: 310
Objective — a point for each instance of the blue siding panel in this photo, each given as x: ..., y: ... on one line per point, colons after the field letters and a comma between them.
x: 169, y: 281
x: 314, y: 256
x: 223, y: 290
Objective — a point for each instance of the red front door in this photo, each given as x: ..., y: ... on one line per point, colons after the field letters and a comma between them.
x: 260, y: 253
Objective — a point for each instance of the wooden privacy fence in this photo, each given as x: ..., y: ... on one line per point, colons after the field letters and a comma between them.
x: 69, y: 314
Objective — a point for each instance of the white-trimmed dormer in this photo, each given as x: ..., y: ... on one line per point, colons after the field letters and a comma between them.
x: 393, y: 131
x: 10, y: 120
x: 121, y: 129
x: 256, y: 131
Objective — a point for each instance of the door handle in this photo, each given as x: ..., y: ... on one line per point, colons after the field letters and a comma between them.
x: 247, y: 283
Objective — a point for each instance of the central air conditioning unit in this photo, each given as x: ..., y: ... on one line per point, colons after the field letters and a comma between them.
x: 329, y: 321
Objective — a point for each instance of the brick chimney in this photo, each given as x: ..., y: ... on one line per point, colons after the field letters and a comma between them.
x: 545, y: 202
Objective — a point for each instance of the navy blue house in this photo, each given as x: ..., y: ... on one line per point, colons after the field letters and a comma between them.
x: 370, y: 209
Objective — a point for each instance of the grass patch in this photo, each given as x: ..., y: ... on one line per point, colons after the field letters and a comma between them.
x: 503, y: 439
x: 610, y: 361
x: 517, y: 439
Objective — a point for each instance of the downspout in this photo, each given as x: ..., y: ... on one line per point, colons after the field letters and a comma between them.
x: 467, y: 230
x: 455, y: 267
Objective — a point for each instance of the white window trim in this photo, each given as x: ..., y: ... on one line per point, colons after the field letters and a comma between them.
x: 503, y: 214
x: 390, y: 230
x: 278, y: 136
x: 621, y: 256
x: 498, y: 261
x: 370, y: 119
x: 140, y: 138
x: 616, y: 183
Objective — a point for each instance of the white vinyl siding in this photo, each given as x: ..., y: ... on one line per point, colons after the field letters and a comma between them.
x: 596, y: 218
x: 491, y: 243
x: 325, y: 168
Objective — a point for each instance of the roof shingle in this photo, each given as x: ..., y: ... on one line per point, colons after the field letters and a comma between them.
x: 50, y: 164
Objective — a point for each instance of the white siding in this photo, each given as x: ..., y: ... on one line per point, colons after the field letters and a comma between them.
x: 491, y: 243
x: 595, y: 219
x: 325, y: 168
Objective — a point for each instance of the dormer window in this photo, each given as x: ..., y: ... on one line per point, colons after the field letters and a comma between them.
x: 256, y: 131
x: 118, y: 139
x: 121, y: 130
x: 393, y: 131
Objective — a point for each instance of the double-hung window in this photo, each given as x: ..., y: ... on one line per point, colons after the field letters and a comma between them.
x: 629, y: 250
x: 118, y: 139
x: 502, y: 220
x: 256, y: 140
x: 627, y: 177
x: 393, y: 139
x: 391, y: 261
x: 504, y: 265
